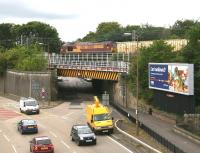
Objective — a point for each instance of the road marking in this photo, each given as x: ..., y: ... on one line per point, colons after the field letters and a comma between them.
x: 52, y: 133
x: 65, y: 144
x: 0, y: 131
x: 66, y: 116
x: 6, y: 138
x: 14, y: 149
x: 120, y: 145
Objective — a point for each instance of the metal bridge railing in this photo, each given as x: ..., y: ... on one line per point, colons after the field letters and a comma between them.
x: 98, y: 62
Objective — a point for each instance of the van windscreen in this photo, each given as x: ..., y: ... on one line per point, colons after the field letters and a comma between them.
x: 102, y: 117
x: 30, y: 103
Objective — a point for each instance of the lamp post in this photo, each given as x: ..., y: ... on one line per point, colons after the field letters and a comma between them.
x: 134, y: 38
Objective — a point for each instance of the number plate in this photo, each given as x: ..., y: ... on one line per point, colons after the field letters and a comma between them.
x: 105, y: 131
x: 44, y: 148
x: 88, y: 140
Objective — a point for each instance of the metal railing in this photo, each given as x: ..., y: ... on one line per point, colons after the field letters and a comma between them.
x: 90, y: 61
x: 169, y: 145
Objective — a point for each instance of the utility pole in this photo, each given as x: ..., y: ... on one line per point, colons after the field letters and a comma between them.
x: 137, y: 84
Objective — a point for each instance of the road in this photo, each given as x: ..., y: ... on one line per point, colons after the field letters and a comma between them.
x: 55, y: 123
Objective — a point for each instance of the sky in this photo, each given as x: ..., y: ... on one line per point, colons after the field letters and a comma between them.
x: 74, y: 19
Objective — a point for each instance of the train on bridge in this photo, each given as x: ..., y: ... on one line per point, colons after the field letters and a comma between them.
x: 116, y: 47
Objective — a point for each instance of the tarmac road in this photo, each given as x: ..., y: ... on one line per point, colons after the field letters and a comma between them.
x: 55, y: 123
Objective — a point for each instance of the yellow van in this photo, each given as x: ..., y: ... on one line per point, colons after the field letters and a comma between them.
x: 99, y: 117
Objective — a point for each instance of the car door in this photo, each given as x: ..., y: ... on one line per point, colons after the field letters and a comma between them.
x: 75, y: 134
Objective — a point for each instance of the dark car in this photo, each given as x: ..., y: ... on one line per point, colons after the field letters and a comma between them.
x: 41, y: 145
x: 27, y: 126
x: 82, y: 134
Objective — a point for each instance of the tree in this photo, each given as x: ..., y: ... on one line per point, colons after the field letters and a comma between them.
x: 181, y: 27
x: 38, y: 32
x: 26, y: 59
x: 158, y: 52
x: 91, y: 36
x: 6, y: 35
x: 191, y: 54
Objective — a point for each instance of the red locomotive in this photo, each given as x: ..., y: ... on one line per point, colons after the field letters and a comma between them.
x: 106, y: 46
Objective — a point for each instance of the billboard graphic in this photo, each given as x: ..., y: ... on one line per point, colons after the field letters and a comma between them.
x: 172, y: 77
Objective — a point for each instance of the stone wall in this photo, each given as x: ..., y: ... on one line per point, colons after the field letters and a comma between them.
x: 30, y: 84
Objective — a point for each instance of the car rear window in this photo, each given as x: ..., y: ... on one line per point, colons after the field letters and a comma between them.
x: 29, y: 122
x: 44, y: 141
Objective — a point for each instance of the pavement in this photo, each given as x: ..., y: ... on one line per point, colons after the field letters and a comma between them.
x: 166, y: 130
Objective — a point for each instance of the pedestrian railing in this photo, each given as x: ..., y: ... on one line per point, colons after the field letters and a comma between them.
x: 169, y: 145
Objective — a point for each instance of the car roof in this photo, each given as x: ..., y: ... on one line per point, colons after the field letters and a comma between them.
x: 81, y: 126
x: 28, y: 120
x: 42, y: 138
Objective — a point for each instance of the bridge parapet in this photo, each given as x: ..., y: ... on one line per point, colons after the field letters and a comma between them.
x: 91, y: 61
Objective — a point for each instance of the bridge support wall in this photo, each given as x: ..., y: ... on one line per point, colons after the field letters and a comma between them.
x: 40, y: 85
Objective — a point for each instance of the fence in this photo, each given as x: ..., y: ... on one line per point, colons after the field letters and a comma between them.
x: 170, y: 146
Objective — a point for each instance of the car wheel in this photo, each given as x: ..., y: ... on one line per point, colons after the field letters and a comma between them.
x: 38, y: 112
x: 21, y: 131
x: 72, y: 139
x: 95, y: 142
x: 20, y: 110
x: 30, y: 149
x: 78, y: 143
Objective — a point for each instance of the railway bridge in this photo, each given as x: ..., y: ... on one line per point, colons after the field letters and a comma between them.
x: 102, y: 66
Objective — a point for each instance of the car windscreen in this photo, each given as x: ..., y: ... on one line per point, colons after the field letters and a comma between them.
x: 30, y: 103
x: 84, y: 130
x: 44, y: 141
x: 29, y: 122
x: 102, y: 117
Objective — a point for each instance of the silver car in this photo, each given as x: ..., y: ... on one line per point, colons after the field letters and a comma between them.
x: 82, y: 134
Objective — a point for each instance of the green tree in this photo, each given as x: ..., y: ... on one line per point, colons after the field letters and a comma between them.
x: 6, y: 35
x: 38, y: 32
x: 90, y: 37
x: 191, y: 54
x: 158, y: 52
x: 181, y: 27
x: 26, y: 59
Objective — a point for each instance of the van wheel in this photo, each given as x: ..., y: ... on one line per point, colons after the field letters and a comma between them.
x: 72, y: 139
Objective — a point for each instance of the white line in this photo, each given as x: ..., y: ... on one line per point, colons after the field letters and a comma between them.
x: 14, y: 149
x: 0, y: 131
x: 137, y: 140
x: 65, y: 144
x: 53, y: 134
x: 69, y: 114
x: 6, y: 138
x: 120, y: 144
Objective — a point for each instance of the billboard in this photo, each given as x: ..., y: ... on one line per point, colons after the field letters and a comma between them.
x: 172, y: 77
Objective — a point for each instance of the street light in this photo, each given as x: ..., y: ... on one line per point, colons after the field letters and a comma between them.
x: 134, y: 38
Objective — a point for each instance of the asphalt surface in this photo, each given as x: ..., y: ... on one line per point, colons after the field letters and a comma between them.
x: 55, y: 123
x: 165, y: 129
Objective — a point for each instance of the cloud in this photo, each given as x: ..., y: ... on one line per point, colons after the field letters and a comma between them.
x: 19, y: 10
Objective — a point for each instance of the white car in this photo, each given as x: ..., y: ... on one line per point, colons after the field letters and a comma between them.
x: 29, y: 105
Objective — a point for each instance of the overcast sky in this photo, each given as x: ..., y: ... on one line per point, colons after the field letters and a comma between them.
x: 75, y: 18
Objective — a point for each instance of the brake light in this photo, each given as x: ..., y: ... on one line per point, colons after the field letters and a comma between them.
x: 35, y: 147
x: 51, y: 145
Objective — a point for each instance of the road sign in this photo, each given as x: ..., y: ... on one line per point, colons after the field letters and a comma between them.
x: 105, y: 99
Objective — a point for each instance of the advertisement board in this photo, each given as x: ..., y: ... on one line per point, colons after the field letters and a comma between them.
x: 172, y: 77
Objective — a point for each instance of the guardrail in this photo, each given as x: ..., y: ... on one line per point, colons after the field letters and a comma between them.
x: 170, y: 146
